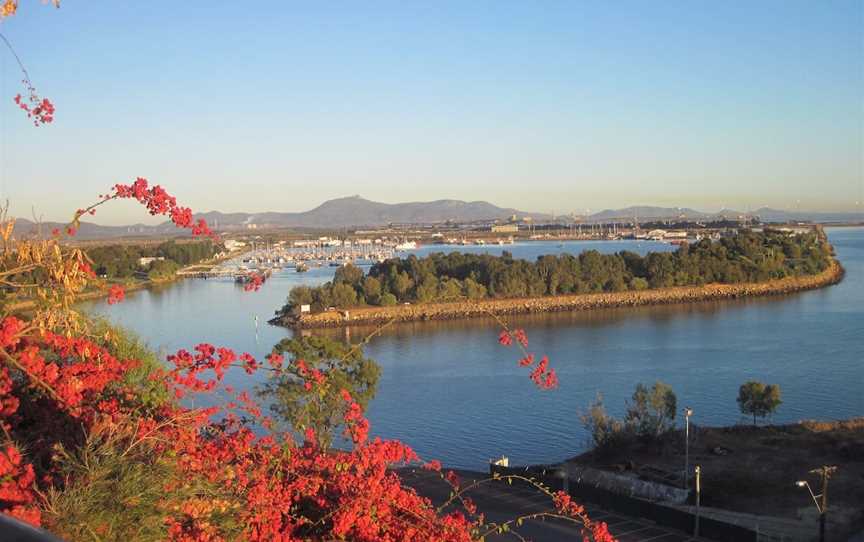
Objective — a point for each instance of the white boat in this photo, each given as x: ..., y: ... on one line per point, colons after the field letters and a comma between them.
x: 407, y: 245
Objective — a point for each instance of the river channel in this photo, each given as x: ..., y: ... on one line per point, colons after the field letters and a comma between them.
x: 453, y: 393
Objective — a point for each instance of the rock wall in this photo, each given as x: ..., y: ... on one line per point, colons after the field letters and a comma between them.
x: 468, y: 309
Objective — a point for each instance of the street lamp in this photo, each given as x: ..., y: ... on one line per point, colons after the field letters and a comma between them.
x: 687, y: 413
x: 698, y: 472
x: 821, y: 500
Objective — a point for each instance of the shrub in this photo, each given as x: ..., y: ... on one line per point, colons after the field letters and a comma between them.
x: 652, y: 411
x: 758, y: 399
x: 606, y: 431
x: 162, y: 270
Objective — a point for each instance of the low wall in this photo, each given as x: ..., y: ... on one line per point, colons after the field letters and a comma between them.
x: 468, y: 309
x: 625, y: 485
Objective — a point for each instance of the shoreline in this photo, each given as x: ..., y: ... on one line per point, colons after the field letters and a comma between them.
x: 102, y: 293
x: 574, y: 302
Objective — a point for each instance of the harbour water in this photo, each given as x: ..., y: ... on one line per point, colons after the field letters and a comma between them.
x: 453, y: 393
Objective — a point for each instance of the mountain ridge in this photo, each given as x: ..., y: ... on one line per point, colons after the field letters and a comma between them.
x: 358, y: 212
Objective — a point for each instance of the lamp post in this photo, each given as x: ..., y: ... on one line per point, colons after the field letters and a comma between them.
x: 687, y: 413
x: 698, y: 472
x: 821, y: 500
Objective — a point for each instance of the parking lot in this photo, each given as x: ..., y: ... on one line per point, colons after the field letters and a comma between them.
x: 501, y: 502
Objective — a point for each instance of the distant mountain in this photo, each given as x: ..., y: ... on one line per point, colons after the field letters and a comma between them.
x: 643, y: 213
x: 88, y: 230
x: 775, y: 215
x: 355, y: 211
x: 338, y: 213
x: 765, y: 214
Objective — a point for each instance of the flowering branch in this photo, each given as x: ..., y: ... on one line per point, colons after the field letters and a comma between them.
x: 40, y: 110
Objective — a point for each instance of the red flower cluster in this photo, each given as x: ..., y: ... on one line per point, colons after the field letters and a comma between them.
x: 506, y: 337
x: 68, y: 375
x: 544, y: 377
x: 40, y: 110
x: 16, y: 486
x: 255, y: 282
x: 159, y: 202
x: 564, y: 505
x: 116, y: 294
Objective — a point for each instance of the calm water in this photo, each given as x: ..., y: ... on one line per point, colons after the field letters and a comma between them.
x: 449, y: 390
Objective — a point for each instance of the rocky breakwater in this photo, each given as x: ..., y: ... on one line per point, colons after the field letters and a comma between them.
x: 469, y: 309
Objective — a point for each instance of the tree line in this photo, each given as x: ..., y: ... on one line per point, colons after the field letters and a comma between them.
x: 747, y: 256
x: 122, y: 261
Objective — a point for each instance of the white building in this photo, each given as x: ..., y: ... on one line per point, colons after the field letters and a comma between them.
x: 232, y: 244
x: 146, y: 261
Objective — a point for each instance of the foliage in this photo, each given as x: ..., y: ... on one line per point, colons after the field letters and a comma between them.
x: 126, y: 344
x: 606, y: 431
x: 115, y: 489
x: 652, y: 411
x: 745, y: 257
x: 758, y: 399
x: 160, y: 270
x: 321, y: 409
x: 122, y: 260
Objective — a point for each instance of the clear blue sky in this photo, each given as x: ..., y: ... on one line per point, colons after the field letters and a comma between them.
x: 546, y: 106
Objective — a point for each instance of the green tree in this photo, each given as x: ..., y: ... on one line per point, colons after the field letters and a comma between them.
x: 449, y: 289
x: 300, y: 295
x: 372, y: 290
x: 758, y: 399
x: 162, y: 270
x: 401, y: 285
x: 473, y: 290
x: 388, y: 300
x: 652, y: 411
x: 427, y: 289
x: 343, y: 295
x: 638, y: 283
x: 349, y: 274
x: 605, y: 430
x: 321, y: 410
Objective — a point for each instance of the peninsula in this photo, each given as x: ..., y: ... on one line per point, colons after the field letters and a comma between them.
x: 450, y: 286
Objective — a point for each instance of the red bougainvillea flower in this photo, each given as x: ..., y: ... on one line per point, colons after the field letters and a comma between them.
x: 521, y: 337
x: 39, y: 110
x: 542, y: 376
x: 159, y: 202
x: 255, y: 282
x: 116, y: 294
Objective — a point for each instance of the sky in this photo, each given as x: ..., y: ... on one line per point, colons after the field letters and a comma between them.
x: 542, y: 106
